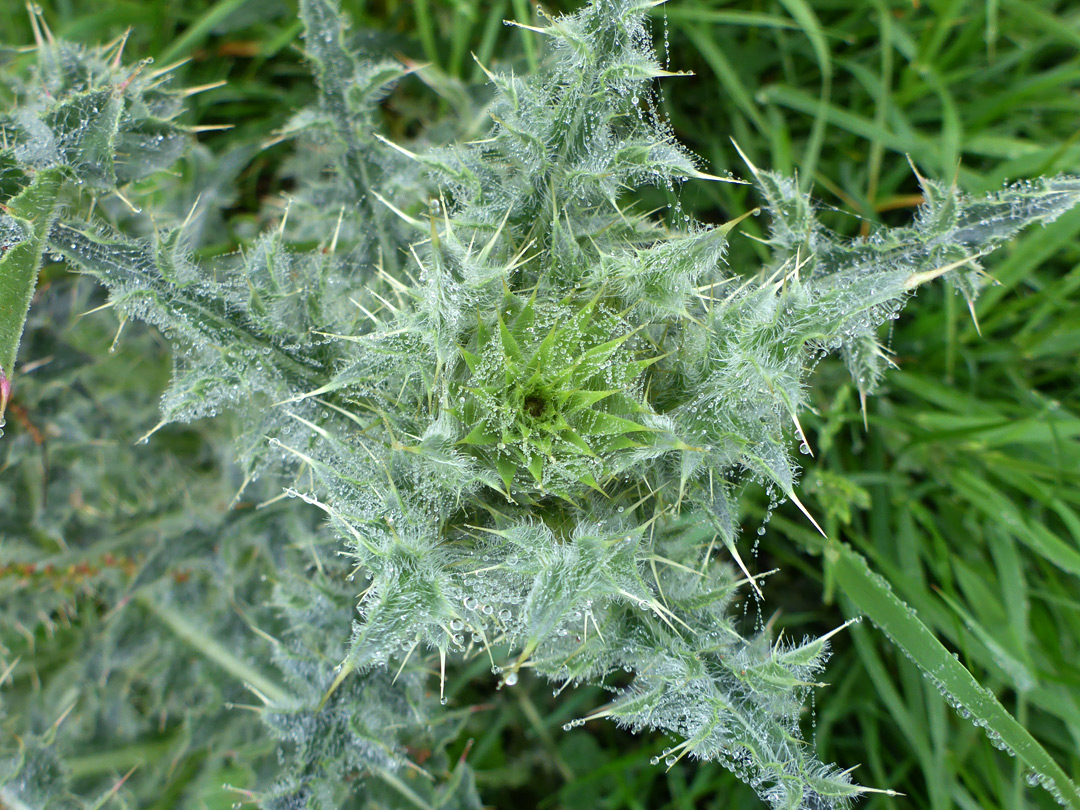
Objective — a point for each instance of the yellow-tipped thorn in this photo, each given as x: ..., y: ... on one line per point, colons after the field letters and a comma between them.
x: 442, y: 675
x: 284, y: 219
x: 37, y: 22
x: 742, y: 567
x: 120, y: 48
x: 534, y: 28
x: 704, y: 176
x: 209, y: 128
x: 915, y: 169
x: 886, y: 792
x: 119, y: 784
x: 274, y: 141
x: 202, y: 88
x: 731, y: 223
x: 401, y: 149
x: 680, y: 756
x: 337, y: 230
x: 266, y: 699
x: 131, y: 206
x: 168, y: 68
x: 411, y: 220
x: 746, y: 160
x: 116, y: 337
x: 839, y: 629
x: 63, y: 716
x: 802, y: 434
x: 799, y: 265
x: 974, y: 317
x: 491, y: 76
x: 10, y: 668
x: 38, y: 38
x: 915, y: 279
x: 486, y: 250
x: 146, y: 436
x: 862, y: 407
x: 191, y: 213
x: 795, y: 500
x: 343, y: 673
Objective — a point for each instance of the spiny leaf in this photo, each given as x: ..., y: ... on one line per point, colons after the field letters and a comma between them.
x: 23, y: 238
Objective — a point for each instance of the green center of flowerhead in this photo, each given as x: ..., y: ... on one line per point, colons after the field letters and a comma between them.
x: 550, y: 393
x: 535, y: 405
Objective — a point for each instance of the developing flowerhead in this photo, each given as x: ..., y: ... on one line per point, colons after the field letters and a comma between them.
x: 550, y: 394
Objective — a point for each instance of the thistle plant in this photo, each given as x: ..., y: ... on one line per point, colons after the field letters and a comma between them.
x: 525, y: 409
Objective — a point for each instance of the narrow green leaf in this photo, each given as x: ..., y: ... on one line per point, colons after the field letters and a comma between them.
x: 994, y: 504
x: 536, y: 467
x: 479, y: 435
x: 200, y: 29
x: 874, y: 597
x: 750, y: 19
x: 598, y: 423
x: 506, y: 469
x: 578, y: 400
x: 510, y: 346
x: 471, y: 360
x: 806, y: 18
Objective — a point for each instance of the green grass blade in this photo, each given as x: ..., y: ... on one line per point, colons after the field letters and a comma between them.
x: 1034, y: 535
x: 708, y: 16
x: 726, y: 74
x: 863, y: 127
x: 808, y: 21
x: 873, y: 596
x: 426, y: 26
x: 200, y: 30
x: 523, y: 14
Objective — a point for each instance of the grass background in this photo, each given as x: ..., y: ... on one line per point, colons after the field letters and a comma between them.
x: 963, y: 489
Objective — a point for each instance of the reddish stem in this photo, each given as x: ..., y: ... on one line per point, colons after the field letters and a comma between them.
x: 5, y: 395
